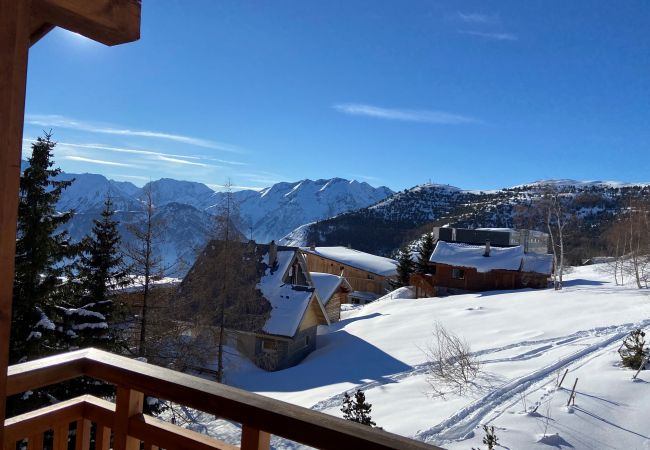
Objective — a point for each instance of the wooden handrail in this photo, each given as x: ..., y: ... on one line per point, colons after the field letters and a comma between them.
x: 256, y: 411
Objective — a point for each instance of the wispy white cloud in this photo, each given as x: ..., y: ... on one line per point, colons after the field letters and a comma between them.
x: 406, y: 115
x: 57, y: 121
x: 221, y: 187
x: 491, y: 36
x: 159, y: 156
x: 182, y: 161
x: 97, y: 161
x: 477, y: 18
x: 364, y: 177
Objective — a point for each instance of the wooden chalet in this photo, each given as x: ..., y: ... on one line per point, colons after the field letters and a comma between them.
x: 333, y: 291
x: 367, y: 274
x: 459, y: 267
x: 120, y: 425
x: 280, y: 309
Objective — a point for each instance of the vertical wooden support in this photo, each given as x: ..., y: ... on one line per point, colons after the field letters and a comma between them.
x: 61, y: 437
x: 254, y: 439
x: 129, y: 404
x: 150, y: 446
x: 82, y: 440
x: 102, y: 438
x: 14, y: 48
x: 35, y: 442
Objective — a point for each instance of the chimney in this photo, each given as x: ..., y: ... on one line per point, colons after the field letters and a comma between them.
x: 312, y: 247
x: 487, y: 248
x: 273, y: 254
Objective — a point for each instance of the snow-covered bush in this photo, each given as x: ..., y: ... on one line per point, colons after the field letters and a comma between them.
x: 451, y: 365
x: 633, y: 351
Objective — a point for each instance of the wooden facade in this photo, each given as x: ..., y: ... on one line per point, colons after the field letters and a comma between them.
x: 446, y: 279
x: 359, y: 279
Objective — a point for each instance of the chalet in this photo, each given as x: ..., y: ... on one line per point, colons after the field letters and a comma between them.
x: 459, y: 267
x: 367, y: 274
x: 278, y: 313
x: 333, y: 291
x: 532, y: 241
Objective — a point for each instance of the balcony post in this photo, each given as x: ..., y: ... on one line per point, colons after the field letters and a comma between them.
x: 129, y: 403
x: 254, y: 439
x: 82, y: 440
x: 14, y: 48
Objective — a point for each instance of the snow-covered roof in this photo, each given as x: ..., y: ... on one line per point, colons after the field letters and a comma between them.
x: 501, y: 258
x: 538, y: 263
x: 365, y: 261
x: 327, y: 284
x: 466, y: 255
x: 288, y: 302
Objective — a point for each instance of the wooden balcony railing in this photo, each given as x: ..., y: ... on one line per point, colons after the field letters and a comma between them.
x: 122, y: 426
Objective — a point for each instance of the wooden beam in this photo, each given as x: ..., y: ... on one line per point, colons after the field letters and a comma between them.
x: 43, y: 372
x: 255, y: 411
x: 253, y: 439
x: 129, y: 403
x: 49, y: 418
x: 14, y: 46
x: 110, y: 22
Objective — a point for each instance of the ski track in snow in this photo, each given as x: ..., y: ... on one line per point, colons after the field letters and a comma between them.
x: 461, y: 424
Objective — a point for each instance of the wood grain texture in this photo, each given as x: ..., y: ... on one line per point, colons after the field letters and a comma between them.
x: 254, y: 439
x: 14, y: 45
x: 41, y: 420
x: 110, y: 22
x: 283, y: 419
x: 35, y: 442
x: 82, y: 439
x: 129, y: 404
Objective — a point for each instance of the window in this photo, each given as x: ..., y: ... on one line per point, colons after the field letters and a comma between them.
x: 269, y: 346
x: 458, y: 274
x: 371, y: 277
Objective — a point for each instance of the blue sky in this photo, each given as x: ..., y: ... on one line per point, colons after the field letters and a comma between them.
x: 477, y: 94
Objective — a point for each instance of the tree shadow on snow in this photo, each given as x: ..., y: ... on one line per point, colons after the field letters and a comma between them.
x: 609, y: 422
x: 341, y: 357
x: 583, y: 282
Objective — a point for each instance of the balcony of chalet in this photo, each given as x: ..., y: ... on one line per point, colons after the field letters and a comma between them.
x: 88, y: 422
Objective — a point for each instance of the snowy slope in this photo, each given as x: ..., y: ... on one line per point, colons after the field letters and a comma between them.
x: 524, y: 340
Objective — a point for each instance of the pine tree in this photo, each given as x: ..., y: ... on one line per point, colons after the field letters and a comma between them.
x: 101, y: 271
x: 405, y: 267
x: 357, y: 410
x: 490, y: 439
x: 41, y: 252
x: 633, y: 350
x: 425, y: 250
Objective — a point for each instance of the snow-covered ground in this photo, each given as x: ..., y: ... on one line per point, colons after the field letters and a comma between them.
x: 525, y: 341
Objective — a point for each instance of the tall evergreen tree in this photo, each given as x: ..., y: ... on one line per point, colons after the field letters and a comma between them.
x: 41, y: 252
x: 101, y: 270
x: 357, y: 410
x: 425, y: 249
x: 405, y: 267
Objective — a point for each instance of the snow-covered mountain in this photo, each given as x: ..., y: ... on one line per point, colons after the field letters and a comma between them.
x: 275, y: 211
x: 385, y: 226
x: 186, y: 208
